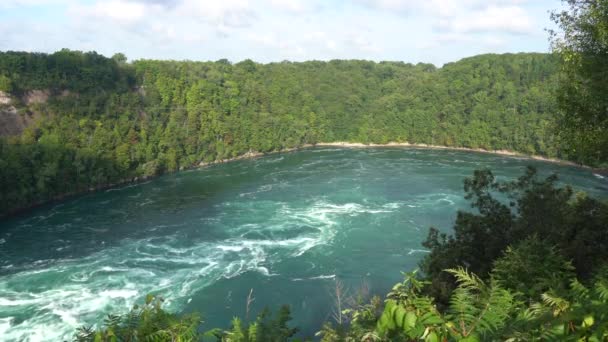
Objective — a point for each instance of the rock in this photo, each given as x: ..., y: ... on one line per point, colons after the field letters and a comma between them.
x: 13, y: 123
x: 36, y: 96
x: 5, y: 98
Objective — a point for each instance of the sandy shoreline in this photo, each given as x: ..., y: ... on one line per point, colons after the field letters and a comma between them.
x: 255, y: 154
x: 249, y: 155
x: 453, y: 148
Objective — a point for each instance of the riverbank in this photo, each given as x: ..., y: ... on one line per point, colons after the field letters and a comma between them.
x: 508, y: 153
x: 250, y: 155
x: 256, y: 154
x: 454, y: 148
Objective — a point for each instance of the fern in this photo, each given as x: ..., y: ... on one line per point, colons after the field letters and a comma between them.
x: 477, y: 308
x: 557, y: 304
x: 580, y: 292
x: 601, y: 288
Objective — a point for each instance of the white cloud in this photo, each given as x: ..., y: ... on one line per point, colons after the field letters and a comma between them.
x: 362, y: 43
x: 30, y: 3
x: 294, y: 6
x: 477, y: 22
x: 437, y: 7
x: 117, y: 10
x: 263, y: 39
x: 511, y: 19
x: 271, y: 30
x: 225, y: 13
x: 493, y: 41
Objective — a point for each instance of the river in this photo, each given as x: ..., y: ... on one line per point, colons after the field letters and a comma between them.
x: 285, y: 225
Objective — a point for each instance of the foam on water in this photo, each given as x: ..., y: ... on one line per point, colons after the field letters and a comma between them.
x: 115, y: 278
x: 299, y: 219
x: 321, y: 277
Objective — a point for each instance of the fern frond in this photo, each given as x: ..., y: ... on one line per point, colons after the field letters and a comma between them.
x: 236, y: 333
x: 476, y: 307
x: 557, y: 304
x: 159, y: 336
x: 467, y: 280
x: 112, y: 320
x: 601, y: 288
x: 579, y: 290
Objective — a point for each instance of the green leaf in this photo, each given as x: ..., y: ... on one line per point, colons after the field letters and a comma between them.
x: 410, y: 320
x: 588, y: 321
x: 432, y: 337
x: 472, y: 338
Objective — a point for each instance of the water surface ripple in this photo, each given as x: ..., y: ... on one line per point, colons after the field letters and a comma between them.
x: 285, y: 225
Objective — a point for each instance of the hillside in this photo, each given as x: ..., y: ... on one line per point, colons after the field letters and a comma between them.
x: 107, y: 121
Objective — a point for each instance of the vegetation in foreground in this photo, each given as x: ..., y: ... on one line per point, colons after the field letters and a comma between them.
x: 527, y: 264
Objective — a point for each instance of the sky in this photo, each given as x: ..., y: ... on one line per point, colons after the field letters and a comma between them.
x: 430, y: 31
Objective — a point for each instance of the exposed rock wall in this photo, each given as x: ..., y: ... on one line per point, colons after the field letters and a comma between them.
x: 5, y: 98
x: 36, y: 96
x: 12, y: 122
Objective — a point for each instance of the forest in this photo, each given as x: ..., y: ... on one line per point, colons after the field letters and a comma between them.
x: 107, y: 121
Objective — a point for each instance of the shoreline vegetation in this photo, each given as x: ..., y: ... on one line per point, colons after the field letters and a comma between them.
x: 342, y: 144
x: 345, y: 144
x: 130, y: 121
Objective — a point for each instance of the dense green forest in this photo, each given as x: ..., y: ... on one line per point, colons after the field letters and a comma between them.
x: 107, y: 121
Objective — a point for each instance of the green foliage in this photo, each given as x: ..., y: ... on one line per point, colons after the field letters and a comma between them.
x: 5, y: 84
x: 508, y: 213
x: 148, y: 322
x: 477, y: 309
x: 531, y: 268
x: 116, y: 121
x: 485, y: 311
x: 579, y: 314
x: 64, y: 70
x: 119, y: 58
x: 264, y: 329
x: 582, y: 44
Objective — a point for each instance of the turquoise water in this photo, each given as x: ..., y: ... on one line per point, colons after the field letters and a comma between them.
x: 285, y: 225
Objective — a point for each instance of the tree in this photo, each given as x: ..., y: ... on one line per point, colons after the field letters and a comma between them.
x: 5, y: 84
x: 507, y: 213
x: 120, y: 58
x: 532, y: 268
x: 582, y: 45
x: 150, y: 117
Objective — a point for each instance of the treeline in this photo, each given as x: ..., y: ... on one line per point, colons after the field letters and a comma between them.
x: 63, y: 70
x: 119, y: 120
x: 529, y: 263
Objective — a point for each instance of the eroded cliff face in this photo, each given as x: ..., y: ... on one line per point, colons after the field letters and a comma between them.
x: 5, y: 98
x: 36, y: 96
x: 13, y: 121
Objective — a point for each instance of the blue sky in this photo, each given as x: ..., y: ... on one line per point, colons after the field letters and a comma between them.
x: 435, y: 31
